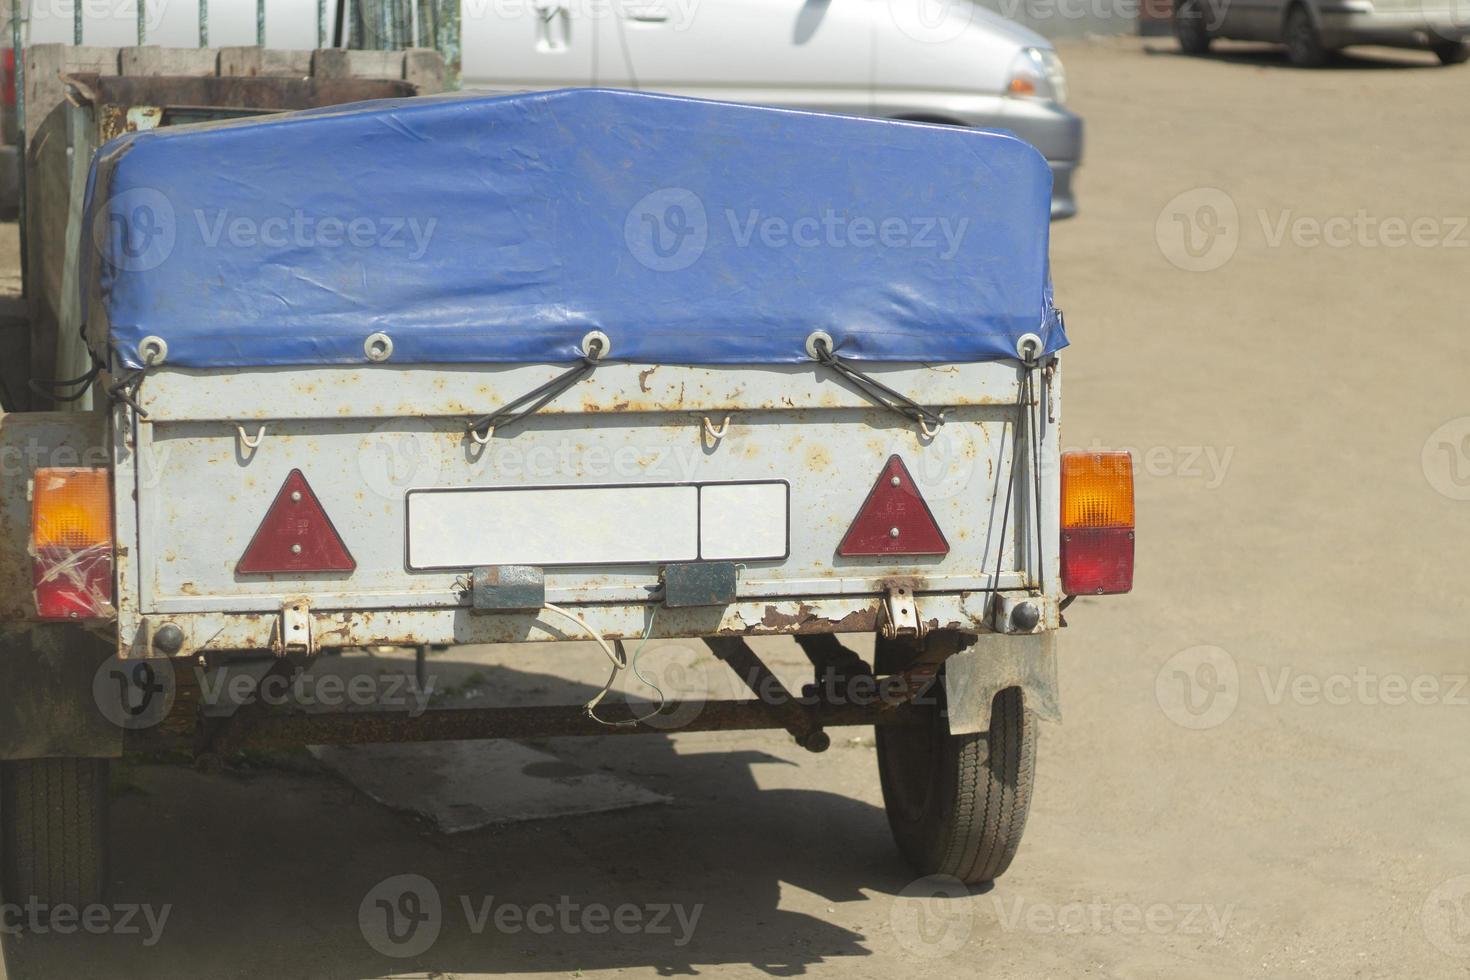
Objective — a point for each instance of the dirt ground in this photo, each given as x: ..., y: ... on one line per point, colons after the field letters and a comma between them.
x: 1263, y: 765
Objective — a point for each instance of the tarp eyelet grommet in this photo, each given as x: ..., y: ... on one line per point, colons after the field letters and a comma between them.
x: 153, y: 351
x: 1028, y: 347
x: 596, y: 345
x: 815, y: 340
x: 378, y: 347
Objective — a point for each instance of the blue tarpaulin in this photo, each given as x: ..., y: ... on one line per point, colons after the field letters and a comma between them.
x: 504, y: 229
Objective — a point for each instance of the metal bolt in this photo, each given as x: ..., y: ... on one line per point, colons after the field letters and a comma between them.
x: 895, y: 482
x: 893, y: 532
x: 296, y: 549
x: 1025, y: 616
x: 168, y: 639
x: 296, y: 496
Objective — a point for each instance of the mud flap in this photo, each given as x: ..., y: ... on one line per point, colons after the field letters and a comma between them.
x: 47, y: 709
x: 996, y: 661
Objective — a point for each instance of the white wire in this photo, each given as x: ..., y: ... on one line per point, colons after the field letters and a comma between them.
x: 596, y: 636
x: 619, y: 664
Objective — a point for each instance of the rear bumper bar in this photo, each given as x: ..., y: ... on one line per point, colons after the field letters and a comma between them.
x: 205, y: 632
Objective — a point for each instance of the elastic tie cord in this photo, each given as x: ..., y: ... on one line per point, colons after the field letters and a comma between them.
x: 876, y: 391
x: 532, y: 401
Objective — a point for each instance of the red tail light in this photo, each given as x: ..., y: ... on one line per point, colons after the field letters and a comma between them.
x: 296, y: 536
x: 894, y: 520
x: 1097, y: 523
x: 7, y: 78
x: 72, y: 543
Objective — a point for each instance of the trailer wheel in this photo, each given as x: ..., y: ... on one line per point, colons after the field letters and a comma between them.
x: 957, y: 804
x: 53, y: 831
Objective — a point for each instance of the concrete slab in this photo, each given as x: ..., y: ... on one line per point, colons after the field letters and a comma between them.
x: 463, y: 786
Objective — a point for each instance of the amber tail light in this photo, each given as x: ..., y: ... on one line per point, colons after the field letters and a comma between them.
x: 72, y: 543
x: 1097, y: 523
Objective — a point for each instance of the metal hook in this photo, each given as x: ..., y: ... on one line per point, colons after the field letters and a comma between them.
x: 249, y: 442
x: 926, y: 431
x: 714, y: 434
x: 485, y: 439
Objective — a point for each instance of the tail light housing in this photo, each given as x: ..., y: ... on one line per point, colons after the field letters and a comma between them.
x: 1097, y: 523
x: 72, y: 543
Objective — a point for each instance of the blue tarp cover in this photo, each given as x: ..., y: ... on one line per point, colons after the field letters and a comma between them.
x: 504, y: 229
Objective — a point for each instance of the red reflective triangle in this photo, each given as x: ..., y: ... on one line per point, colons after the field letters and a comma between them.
x: 296, y: 536
x: 894, y: 520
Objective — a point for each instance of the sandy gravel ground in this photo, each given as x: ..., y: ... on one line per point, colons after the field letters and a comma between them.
x: 1263, y: 767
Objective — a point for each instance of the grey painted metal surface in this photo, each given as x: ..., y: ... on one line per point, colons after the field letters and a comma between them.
x: 199, y: 474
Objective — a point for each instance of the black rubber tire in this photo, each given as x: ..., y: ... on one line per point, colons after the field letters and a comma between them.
x: 957, y: 804
x: 1304, y: 46
x: 1451, y: 52
x: 1189, y: 27
x: 53, y: 831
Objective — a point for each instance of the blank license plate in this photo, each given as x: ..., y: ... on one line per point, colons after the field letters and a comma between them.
x: 598, y: 525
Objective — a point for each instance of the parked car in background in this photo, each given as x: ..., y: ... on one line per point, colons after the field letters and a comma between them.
x: 1313, y: 29
x: 968, y: 67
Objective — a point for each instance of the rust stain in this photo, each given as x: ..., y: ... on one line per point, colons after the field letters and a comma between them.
x: 643, y: 377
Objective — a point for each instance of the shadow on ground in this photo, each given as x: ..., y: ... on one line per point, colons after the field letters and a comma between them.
x: 1274, y: 56
x: 267, y: 870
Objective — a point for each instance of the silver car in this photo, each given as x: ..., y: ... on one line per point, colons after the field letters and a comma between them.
x: 1313, y: 29
x: 954, y: 62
